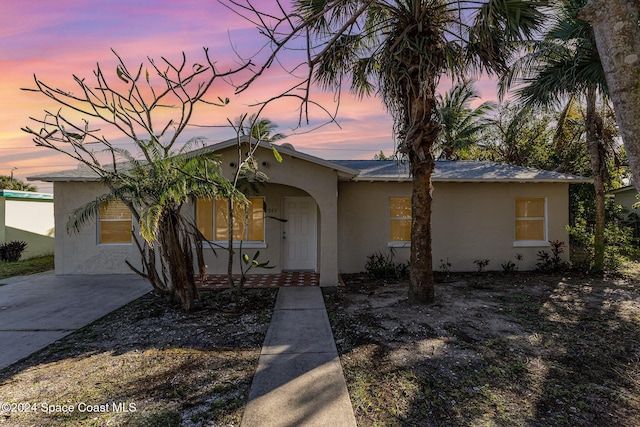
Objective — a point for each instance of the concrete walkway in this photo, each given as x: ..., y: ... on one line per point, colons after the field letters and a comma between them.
x: 39, y: 309
x: 299, y: 380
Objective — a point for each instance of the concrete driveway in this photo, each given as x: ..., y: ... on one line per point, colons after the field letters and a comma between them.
x: 40, y: 309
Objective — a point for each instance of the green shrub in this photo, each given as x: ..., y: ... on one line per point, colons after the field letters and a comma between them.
x: 381, y: 266
x: 481, y: 264
x: 12, y: 251
x: 549, y: 262
x: 620, y: 244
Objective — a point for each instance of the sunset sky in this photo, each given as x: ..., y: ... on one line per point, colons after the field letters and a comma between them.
x: 56, y: 40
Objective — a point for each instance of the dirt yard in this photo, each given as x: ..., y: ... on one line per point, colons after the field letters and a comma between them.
x: 495, y: 350
x: 146, y: 364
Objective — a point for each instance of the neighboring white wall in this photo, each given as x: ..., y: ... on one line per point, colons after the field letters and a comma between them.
x: 80, y: 253
x: 31, y: 221
x: 627, y: 199
x: 469, y: 221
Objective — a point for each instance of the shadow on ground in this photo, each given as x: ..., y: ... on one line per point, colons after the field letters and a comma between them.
x: 514, y: 350
x: 170, y: 367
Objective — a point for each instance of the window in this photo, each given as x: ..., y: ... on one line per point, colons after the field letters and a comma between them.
x: 400, y: 219
x: 531, y: 220
x: 114, y: 223
x: 212, y: 218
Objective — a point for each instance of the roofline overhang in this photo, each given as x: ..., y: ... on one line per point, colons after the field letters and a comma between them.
x: 25, y: 195
x: 480, y: 180
x: 45, y: 178
x: 342, y: 170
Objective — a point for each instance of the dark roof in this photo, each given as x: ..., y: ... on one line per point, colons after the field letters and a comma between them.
x: 456, y: 171
x: 374, y: 170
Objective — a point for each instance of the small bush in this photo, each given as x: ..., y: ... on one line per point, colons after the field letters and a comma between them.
x: 509, y: 267
x: 381, y: 266
x: 620, y: 245
x: 12, y: 251
x: 481, y: 264
x: 445, y: 266
x: 549, y: 262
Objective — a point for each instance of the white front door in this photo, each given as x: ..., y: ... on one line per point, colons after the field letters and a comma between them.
x: 300, y: 234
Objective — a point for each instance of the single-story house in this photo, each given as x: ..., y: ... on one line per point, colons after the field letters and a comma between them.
x: 27, y: 216
x: 339, y: 212
x: 627, y: 197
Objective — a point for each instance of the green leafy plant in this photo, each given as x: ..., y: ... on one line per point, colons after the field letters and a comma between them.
x: 381, y: 266
x: 12, y: 251
x: 250, y: 263
x: 620, y: 243
x: 508, y: 267
x: 548, y: 262
x: 481, y: 264
x: 519, y: 258
x: 445, y: 266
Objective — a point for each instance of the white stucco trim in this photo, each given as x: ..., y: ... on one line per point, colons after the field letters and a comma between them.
x: 399, y: 244
x: 530, y: 244
x: 245, y: 245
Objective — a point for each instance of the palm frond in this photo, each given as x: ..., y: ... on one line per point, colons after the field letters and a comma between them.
x: 87, y: 213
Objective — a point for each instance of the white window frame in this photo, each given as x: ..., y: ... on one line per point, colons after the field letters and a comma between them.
x: 398, y: 243
x: 99, y: 222
x: 545, y: 219
x: 246, y: 244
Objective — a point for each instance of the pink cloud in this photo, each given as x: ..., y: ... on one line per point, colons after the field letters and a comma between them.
x: 58, y: 39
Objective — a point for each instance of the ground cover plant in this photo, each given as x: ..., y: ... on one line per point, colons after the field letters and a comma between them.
x: 27, y: 266
x: 146, y: 364
x: 525, y: 349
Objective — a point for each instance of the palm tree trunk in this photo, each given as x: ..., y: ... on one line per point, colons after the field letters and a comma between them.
x: 181, y: 274
x: 615, y: 26
x: 599, y: 168
x: 420, y: 140
x: 421, y: 280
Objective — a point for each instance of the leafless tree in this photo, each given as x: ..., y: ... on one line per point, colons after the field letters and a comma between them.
x: 149, y: 106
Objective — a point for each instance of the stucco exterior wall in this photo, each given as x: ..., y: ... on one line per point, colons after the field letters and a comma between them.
x: 317, y: 181
x: 80, y: 253
x: 470, y: 221
x: 28, y: 220
x: 216, y: 258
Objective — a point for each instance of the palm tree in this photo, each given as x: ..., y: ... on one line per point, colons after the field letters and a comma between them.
x: 259, y: 128
x: 563, y: 66
x: 155, y: 192
x: 461, y: 124
x: 10, y: 183
x: 398, y: 50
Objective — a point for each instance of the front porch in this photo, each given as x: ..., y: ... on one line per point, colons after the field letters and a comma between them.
x: 284, y: 279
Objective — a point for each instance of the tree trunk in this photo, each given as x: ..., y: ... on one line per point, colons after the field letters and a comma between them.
x: 421, y: 280
x: 180, y: 265
x: 236, y: 288
x: 599, y: 168
x: 419, y: 143
x: 617, y: 34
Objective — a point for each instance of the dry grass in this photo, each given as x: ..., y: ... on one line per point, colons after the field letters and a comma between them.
x: 494, y: 350
x: 146, y: 364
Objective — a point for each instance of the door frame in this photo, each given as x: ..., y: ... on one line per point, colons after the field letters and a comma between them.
x: 313, y: 245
